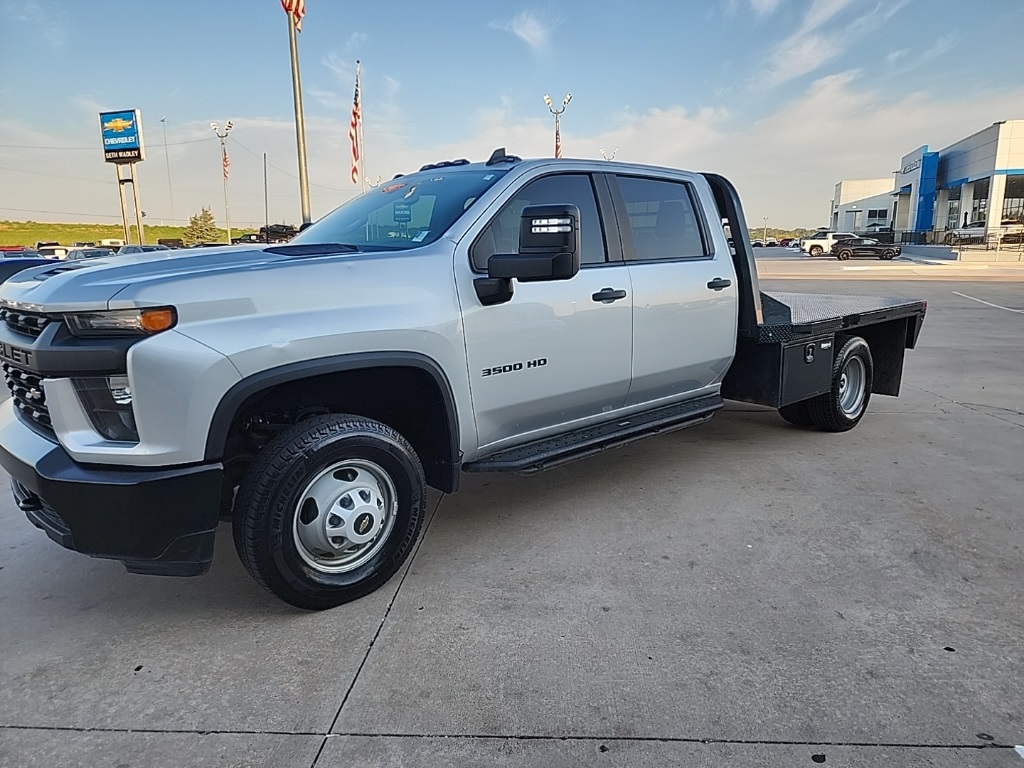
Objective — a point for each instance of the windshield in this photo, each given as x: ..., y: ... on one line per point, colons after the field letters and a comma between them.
x: 403, y: 213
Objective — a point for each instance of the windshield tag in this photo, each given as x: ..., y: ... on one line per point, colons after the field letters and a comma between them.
x: 421, y: 236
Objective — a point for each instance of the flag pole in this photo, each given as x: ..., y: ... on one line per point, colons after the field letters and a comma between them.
x: 362, y: 145
x: 300, y: 126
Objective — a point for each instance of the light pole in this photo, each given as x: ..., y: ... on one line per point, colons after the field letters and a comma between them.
x: 557, y: 113
x: 225, y: 163
x: 167, y: 159
x: 764, y: 234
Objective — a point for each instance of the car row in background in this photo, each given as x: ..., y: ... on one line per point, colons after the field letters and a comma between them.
x: 864, y: 246
x: 1008, y: 231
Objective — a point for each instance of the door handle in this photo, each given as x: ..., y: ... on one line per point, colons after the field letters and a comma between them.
x: 608, y: 295
x: 719, y: 284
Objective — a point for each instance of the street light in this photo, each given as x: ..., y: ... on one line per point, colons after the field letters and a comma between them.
x: 764, y: 234
x: 167, y: 159
x: 557, y: 113
x: 225, y: 163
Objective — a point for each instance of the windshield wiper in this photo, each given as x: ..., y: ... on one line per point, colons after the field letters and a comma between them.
x: 311, y: 249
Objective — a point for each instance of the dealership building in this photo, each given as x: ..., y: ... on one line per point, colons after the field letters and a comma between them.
x: 979, y: 178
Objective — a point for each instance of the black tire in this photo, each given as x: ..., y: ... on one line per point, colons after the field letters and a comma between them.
x: 832, y: 411
x: 888, y: 255
x: 845, y: 255
x: 796, y: 414
x: 267, y: 515
x: 815, y: 250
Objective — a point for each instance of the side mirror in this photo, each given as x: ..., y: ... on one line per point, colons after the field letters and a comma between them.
x: 549, y: 237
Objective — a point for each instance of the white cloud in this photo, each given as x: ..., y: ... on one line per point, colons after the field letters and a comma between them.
x: 895, y: 56
x: 939, y: 47
x: 812, y: 45
x: 356, y: 41
x: 764, y: 7
x: 531, y: 27
x: 48, y: 20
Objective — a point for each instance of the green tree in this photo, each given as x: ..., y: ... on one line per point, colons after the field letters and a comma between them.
x: 201, y: 229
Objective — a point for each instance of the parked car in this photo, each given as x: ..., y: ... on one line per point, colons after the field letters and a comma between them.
x: 54, y: 251
x: 864, y: 246
x: 757, y: 244
x: 78, y: 254
x: 249, y: 237
x: 124, y: 250
x: 785, y: 242
x: 14, y: 264
x: 18, y: 253
x: 822, y: 240
x: 1008, y: 231
x: 771, y: 242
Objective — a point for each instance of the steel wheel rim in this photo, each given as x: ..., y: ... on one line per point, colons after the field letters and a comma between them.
x: 852, y: 387
x: 344, y: 515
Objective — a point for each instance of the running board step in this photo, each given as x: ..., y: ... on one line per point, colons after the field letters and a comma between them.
x: 561, y: 449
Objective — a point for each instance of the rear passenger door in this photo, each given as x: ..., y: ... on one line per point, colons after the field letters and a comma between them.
x: 684, y: 289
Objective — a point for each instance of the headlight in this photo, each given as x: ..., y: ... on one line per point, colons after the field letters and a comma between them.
x: 122, y: 322
x: 108, y: 403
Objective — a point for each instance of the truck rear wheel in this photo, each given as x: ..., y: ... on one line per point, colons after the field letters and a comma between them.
x: 796, y: 414
x: 852, y: 374
x: 329, y: 511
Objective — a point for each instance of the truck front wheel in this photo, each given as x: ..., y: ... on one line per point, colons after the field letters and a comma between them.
x: 329, y: 511
x: 843, y: 407
x: 816, y: 250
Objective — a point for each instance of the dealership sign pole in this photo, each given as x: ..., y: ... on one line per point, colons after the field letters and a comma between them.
x: 121, y: 132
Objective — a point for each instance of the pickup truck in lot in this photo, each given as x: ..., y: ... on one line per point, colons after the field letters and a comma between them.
x: 822, y: 242
x: 498, y: 316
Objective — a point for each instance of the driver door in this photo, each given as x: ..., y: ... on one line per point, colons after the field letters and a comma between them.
x: 556, y: 353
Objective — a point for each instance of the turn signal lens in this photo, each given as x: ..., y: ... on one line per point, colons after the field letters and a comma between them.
x: 156, y: 320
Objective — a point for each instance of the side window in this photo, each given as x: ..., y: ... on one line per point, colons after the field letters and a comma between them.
x: 502, y: 234
x: 663, y: 219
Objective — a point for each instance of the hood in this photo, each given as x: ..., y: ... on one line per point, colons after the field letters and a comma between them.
x: 91, y: 283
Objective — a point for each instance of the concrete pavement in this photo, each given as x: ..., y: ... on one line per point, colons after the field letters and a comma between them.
x: 742, y: 593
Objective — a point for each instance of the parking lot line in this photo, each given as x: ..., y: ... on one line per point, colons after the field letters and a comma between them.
x: 989, y: 303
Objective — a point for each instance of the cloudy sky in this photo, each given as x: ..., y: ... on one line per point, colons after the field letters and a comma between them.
x: 786, y: 97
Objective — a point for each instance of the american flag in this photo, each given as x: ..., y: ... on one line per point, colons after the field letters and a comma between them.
x: 226, y: 162
x: 296, y: 9
x: 353, y: 129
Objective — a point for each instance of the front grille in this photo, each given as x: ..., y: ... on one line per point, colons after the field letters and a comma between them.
x: 28, y: 395
x: 29, y: 323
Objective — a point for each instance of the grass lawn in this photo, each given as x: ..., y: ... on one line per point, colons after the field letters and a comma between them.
x: 30, y: 232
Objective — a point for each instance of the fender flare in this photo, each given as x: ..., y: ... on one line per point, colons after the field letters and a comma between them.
x: 234, y: 398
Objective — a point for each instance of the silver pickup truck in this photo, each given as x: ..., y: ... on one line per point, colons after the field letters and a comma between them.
x: 499, y: 316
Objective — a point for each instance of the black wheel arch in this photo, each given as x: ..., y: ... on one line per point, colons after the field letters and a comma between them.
x: 442, y: 469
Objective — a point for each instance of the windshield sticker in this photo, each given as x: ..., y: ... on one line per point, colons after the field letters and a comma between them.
x: 392, y: 188
x: 421, y: 236
x: 409, y: 194
x: 488, y: 177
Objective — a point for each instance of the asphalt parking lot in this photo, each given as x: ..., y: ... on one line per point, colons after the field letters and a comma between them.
x: 743, y: 593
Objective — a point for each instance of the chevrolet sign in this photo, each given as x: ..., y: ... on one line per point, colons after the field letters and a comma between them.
x: 122, y: 136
